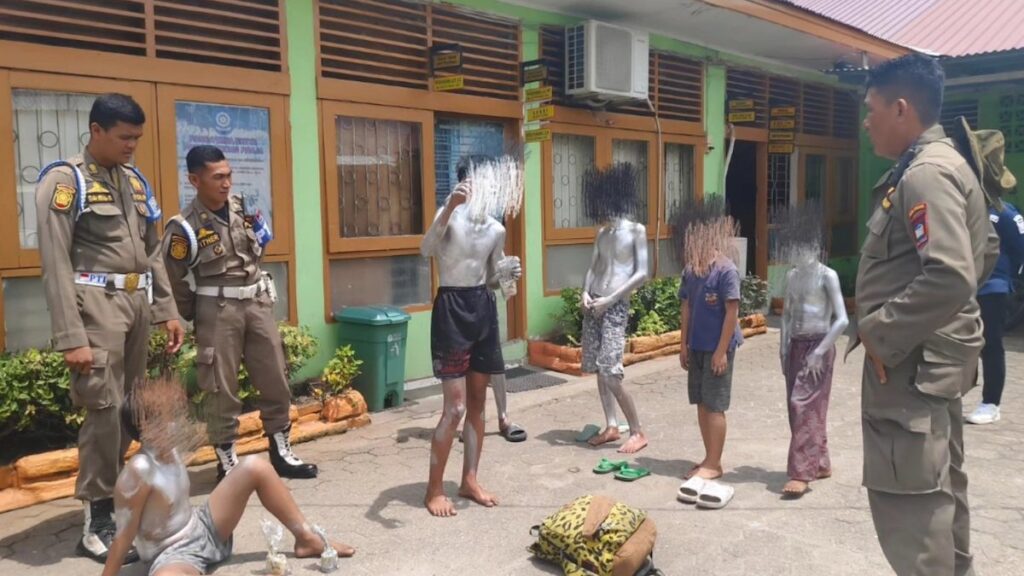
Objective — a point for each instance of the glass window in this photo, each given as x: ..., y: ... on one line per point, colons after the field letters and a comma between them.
x: 48, y: 126
x: 455, y: 138
x: 243, y: 134
x: 634, y: 152
x: 566, y: 266
x: 26, y: 317
x: 572, y: 155
x: 669, y: 262
x: 379, y: 177
x: 815, y: 179
x: 679, y: 176
x: 279, y: 271
x: 845, y: 200
x: 394, y: 280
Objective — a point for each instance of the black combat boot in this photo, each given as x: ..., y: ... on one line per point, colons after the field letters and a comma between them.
x: 285, y: 462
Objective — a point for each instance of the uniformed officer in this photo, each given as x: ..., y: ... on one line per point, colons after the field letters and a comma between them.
x: 929, y: 246
x: 232, y: 308
x: 105, y: 286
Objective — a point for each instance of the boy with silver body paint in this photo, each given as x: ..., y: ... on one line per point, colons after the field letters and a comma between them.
x: 468, y: 246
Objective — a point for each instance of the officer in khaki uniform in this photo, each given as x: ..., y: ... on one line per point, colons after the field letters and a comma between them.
x: 232, y: 308
x: 105, y: 286
x: 929, y: 246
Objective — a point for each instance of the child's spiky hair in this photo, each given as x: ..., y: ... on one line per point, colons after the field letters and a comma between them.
x: 702, y: 231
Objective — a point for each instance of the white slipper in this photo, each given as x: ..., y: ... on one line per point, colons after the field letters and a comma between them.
x: 691, y: 490
x: 715, y: 495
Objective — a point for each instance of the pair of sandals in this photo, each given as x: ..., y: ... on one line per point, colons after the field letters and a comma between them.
x: 623, y: 471
x: 710, y: 494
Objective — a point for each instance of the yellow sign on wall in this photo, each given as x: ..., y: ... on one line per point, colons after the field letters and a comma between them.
x: 781, y: 136
x: 539, y: 94
x: 448, y: 83
x: 742, y: 116
x: 539, y: 135
x: 778, y: 148
x: 446, y: 60
x: 784, y: 111
x: 540, y: 113
x: 786, y: 124
x: 742, y: 104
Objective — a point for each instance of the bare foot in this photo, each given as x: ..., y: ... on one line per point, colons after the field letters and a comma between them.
x: 477, y: 494
x: 708, y: 472
x: 311, y: 546
x: 609, y: 435
x: 795, y: 489
x: 440, y: 505
x: 636, y: 443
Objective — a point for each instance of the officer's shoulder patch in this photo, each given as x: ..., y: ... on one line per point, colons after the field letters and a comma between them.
x: 1019, y: 220
x: 919, y: 224
x: 178, y: 249
x: 994, y: 218
x: 63, y: 198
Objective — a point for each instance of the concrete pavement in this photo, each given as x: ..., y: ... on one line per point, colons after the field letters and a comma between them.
x: 372, y: 482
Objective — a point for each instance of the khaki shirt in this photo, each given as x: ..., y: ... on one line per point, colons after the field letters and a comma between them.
x: 929, y: 246
x: 111, y: 236
x: 228, y: 253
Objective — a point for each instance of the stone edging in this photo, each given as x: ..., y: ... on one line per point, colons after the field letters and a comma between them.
x: 567, y: 359
x: 51, y: 475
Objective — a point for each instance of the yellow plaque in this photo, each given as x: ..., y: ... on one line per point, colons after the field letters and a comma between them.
x: 540, y: 113
x: 537, y: 74
x: 781, y: 136
x: 787, y: 124
x: 447, y: 60
x: 742, y: 116
x: 786, y: 148
x: 447, y: 83
x: 784, y: 111
x: 743, y: 104
x: 540, y: 135
x: 539, y: 94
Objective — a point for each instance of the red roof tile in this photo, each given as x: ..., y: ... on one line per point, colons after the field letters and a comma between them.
x: 947, y: 27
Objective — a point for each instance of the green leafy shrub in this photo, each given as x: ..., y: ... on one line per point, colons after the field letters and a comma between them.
x: 338, y: 374
x: 660, y: 296
x: 300, y: 346
x: 570, y: 316
x: 753, y: 295
x: 651, y: 325
x: 36, y: 413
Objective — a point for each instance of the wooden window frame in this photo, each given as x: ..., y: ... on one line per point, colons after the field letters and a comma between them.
x: 829, y: 201
x: 350, y: 247
x: 10, y: 81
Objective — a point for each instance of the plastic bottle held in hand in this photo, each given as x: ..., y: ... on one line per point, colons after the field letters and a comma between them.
x: 508, y: 283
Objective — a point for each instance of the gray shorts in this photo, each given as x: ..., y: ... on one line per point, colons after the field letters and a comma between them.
x: 713, y: 392
x: 604, y: 340
x: 201, y: 547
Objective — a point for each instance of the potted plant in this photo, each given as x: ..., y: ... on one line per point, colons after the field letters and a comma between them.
x: 335, y: 381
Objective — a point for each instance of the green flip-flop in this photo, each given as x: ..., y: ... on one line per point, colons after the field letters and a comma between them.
x: 606, y: 466
x: 629, y: 474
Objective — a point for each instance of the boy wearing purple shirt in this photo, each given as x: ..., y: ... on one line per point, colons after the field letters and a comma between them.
x: 709, y: 320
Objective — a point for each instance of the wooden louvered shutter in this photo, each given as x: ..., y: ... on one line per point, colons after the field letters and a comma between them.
x: 845, y: 114
x: 552, y: 52
x: 742, y: 84
x: 816, y: 110
x: 490, y: 49
x: 784, y: 92
x: 238, y: 33
x: 378, y: 41
x: 679, y: 89
x: 117, y: 26
x: 966, y: 108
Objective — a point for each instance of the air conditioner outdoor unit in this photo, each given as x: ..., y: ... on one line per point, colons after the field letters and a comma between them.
x: 606, y: 63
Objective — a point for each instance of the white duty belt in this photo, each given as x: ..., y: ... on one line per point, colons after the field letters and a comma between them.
x: 111, y: 281
x: 265, y: 285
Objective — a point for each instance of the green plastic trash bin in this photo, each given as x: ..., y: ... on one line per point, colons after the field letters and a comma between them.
x: 377, y: 334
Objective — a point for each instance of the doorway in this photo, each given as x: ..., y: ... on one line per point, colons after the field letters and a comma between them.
x: 741, y: 186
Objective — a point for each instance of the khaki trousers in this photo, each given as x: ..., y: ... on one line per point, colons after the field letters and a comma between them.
x: 226, y: 331
x: 117, y: 325
x: 913, y: 469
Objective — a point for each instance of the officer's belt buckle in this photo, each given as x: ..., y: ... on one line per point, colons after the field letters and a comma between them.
x: 131, y: 282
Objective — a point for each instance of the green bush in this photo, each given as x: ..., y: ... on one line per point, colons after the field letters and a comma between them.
x: 651, y: 325
x: 653, y: 309
x: 35, y: 403
x: 570, y: 316
x: 338, y: 374
x: 753, y: 295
